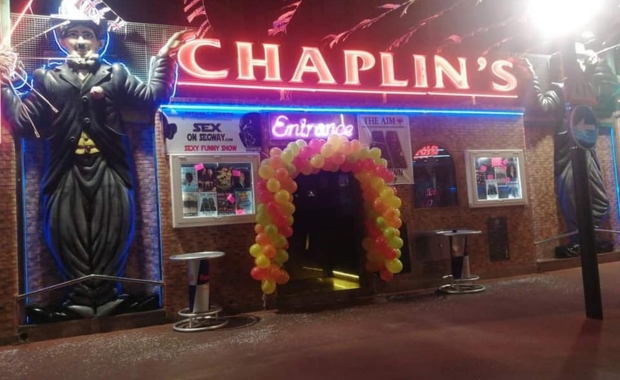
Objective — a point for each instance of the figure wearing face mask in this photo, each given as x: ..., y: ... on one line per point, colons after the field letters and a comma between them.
x: 88, y: 185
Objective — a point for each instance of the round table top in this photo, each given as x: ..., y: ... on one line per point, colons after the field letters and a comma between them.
x: 457, y: 232
x: 197, y: 256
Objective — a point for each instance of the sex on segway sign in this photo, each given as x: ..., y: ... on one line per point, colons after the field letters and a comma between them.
x: 583, y: 127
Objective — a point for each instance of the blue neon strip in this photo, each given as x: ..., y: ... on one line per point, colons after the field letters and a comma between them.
x: 24, y: 221
x: 160, y: 249
x: 615, y: 163
x: 319, y: 109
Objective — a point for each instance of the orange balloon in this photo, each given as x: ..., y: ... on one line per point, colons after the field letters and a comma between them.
x: 269, y: 251
x: 259, y: 228
x: 263, y: 239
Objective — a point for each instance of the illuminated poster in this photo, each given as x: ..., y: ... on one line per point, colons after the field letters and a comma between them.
x: 391, y: 134
x: 217, y: 133
x: 233, y: 187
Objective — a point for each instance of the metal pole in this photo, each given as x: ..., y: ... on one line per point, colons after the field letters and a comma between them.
x: 583, y: 202
x: 587, y: 242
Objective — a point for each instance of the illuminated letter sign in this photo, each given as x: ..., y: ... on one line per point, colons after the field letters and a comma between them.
x: 310, y: 126
x: 205, y: 63
x: 428, y: 150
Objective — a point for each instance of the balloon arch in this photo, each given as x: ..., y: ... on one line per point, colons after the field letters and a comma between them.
x: 274, y: 213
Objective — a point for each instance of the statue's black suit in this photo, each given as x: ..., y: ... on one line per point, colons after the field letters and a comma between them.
x: 88, y: 198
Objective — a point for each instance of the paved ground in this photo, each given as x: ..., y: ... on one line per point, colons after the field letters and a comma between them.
x: 520, y: 328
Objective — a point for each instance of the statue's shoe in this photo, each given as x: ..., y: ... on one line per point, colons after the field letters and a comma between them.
x: 108, y: 308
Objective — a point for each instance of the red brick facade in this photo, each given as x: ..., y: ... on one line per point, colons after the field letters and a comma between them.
x: 232, y: 286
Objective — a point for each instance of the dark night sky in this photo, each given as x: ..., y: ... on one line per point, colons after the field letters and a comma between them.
x: 315, y: 19
x: 148, y: 11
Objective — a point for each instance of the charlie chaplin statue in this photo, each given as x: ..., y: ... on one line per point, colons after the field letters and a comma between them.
x: 604, y: 85
x: 87, y: 187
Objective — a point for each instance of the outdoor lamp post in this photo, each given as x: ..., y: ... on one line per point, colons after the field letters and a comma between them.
x: 563, y: 19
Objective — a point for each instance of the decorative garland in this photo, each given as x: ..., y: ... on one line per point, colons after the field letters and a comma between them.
x: 274, y: 213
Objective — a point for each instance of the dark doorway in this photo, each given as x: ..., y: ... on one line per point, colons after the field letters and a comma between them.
x: 325, y: 252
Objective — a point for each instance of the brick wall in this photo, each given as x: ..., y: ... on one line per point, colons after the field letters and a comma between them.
x: 232, y: 284
x: 548, y: 220
x: 457, y: 135
x: 8, y: 239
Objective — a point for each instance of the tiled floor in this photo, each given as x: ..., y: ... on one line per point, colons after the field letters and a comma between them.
x: 520, y: 328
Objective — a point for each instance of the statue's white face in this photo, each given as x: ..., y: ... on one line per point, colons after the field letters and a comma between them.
x: 81, y: 41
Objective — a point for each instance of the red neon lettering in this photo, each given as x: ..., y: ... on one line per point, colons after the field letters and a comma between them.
x: 246, y: 62
x: 499, y: 69
x: 502, y: 79
x: 187, y: 59
x: 317, y: 65
x: 428, y: 150
x: 421, y: 74
x: 387, y: 72
x: 352, y: 65
x: 458, y: 78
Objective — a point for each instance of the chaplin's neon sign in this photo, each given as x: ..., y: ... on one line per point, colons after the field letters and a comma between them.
x: 313, y: 73
x: 283, y: 128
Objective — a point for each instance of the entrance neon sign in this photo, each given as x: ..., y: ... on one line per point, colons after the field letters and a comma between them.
x: 313, y: 73
x: 283, y: 129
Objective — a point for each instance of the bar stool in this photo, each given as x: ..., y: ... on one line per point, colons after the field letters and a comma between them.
x: 461, y: 280
x: 200, y: 315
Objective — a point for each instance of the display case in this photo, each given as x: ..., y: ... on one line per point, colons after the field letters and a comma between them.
x: 495, y: 178
x: 213, y: 190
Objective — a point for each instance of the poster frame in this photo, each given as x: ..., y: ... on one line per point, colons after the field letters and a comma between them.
x: 176, y: 161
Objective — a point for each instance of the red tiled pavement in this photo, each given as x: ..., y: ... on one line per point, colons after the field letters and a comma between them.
x: 529, y: 327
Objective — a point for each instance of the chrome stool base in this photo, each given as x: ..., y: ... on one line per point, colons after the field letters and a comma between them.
x: 461, y: 285
x: 203, y: 321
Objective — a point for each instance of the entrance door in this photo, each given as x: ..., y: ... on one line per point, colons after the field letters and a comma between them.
x: 325, y: 252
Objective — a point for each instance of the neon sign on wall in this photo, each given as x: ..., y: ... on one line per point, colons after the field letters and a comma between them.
x: 291, y: 127
x: 203, y: 64
x: 428, y: 150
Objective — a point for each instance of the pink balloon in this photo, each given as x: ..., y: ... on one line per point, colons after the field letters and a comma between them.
x: 306, y: 152
x: 315, y: 145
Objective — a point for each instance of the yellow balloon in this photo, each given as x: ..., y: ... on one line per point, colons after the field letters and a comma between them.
x: 375, y: 153
x: 263, y: 219
x: 395, y: 242
x: 289, y: 207
x: 273, y: 185
x: 281, y: 197
x: 271, y: 229
x: 301, y: 143
x: 364, y: 152
x: 265, y: 172
x: 394, y: 265
x: 261, y: 208
x: 317, y: 161
x: 327, y: 150
x: 382, y: 162
x: 377, y: 183
x: 386, y: 193
x: 268, y: 286
x: 256, y: 250
x: 287, y: 156
x: 393, y: 201
x: 281, y: 256
x: 262, y: 261
x: 294, y: 148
